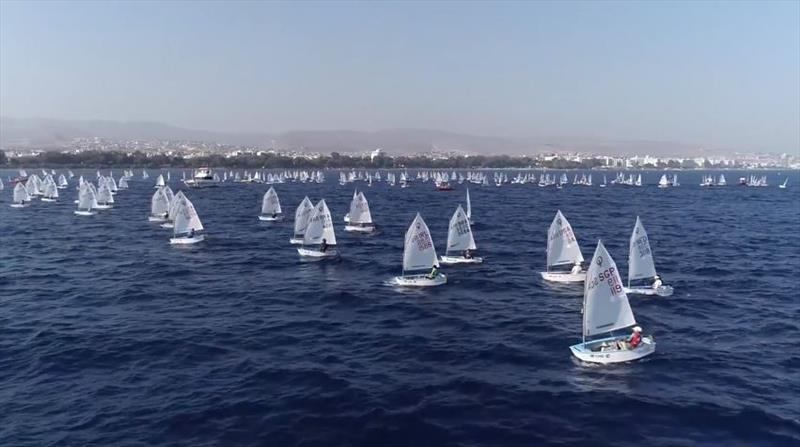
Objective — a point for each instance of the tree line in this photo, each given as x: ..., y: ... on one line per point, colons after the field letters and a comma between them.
x: 138, y: 159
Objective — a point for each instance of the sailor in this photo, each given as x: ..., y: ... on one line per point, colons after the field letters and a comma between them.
x: 636, y: 337
x: 323, y: 246
x: 434, y: 273
x: 274, y: 214
x: 191, y: 233
x: 467, y: 254
x: 576, y: 268
x: 657, y: 282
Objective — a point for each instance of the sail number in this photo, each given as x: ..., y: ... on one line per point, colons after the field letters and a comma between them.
x: 462, y: 227
x: 642, y: 246
x: 609, y: 276
x: 422, y: 240
x: 563, y: 233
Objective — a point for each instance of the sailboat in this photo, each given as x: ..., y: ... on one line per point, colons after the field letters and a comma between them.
x: 50, y: 191
x: 87, y: 201
x: 301, y: 217
x: 783, y: 185
x: 606, y: 309
x: 563, y: 249
x: 187, y: 223
x: 105, y: 200
x: 319, y: 239
x: 346, y: 217
x: 62, y: 182
x: 419, y: 258
x: 641, y: 265
x: 270, y: 207
x: 123, y: 183
x: 159, y: 181
x: 21, y: 197
x: 460, y: 241
x: 469, y: 210
x: 663, y: 182
x: 360, y: 217
x: 159, y: 206
x: 603, y: 185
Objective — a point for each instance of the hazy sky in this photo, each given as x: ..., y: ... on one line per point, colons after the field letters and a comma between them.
x: 723, y: 75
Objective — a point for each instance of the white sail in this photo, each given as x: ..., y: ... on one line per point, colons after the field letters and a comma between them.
x: 160, y: 181
x: 104, y: 194
x: 459, y: 234
x: 51, y: 190
x: 123, y: 183
x: 168, y: 192
x: 159, y: 203
x: 359, y: 210
x: 21, y: 194
x: 419, y: 252
x: 270, y: 204
x: 302, y: 216
x: 605, y: 304
x: 320, y: 226
x: 562, y: 246
x: 469, y: 208
x: 174, y: 205
x: 87, y: 198
x: 640, y: 257
x: 186, y: 218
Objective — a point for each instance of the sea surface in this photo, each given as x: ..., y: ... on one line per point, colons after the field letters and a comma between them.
x: 109, y: 336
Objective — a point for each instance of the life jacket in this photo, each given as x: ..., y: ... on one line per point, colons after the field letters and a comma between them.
x: 636, y: 338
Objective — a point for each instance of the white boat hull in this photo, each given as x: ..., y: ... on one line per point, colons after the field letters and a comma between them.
x: 167, y: 225
x: 316, y: 254
x: 186, y: 240
x: 48, y: 199
x: 296, y: 240
x: 419, y: 280
x: 19, y: 205
x: 605, y: 351
x: 104, y: 207
x: 358, y: 229
x: 156, y: 219
x: 564, y: 277
x: 84, y: 213
x: 660, y: 291
x: 264, y: 218
x: 449, y: 260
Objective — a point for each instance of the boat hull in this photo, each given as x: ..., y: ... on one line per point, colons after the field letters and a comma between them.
x: 104, y: 207
x: 185, y: 240
x: 604, y: 351
x: 156, y: 219
x: 563, y: 277
x: 316, y: 254
x: 277, y: 218
x: 419, y: 280
x: 357, y: 229
x: 19, y: 205
x: 84, y: 213
x: 48, y: 199
x: 660, y: 291
x: 296, y: 240
x: 449, y: 260
x: 167, y: 225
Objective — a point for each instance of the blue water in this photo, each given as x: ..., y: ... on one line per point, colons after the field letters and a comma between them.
x: 110, y: 336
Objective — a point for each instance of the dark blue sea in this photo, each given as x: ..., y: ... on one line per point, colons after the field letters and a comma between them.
x: 109, y: 336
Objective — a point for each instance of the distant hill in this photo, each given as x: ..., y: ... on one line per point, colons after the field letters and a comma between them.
x: 52, y: 134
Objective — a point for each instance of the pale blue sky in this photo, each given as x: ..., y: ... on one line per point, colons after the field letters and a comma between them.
x: 723, y: 75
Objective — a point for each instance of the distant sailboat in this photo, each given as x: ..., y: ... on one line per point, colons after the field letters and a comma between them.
x: 603, y: 185
x: 346, y: 217
x: 360, y: 220
x: 562, y: 250
x: 270, y: 207
x: 301, y: 218
x: 606, y: 309
x: 785, y: 182
x: 187, y: 224
x: 159, y: 206
x: 21, y: 196
x: 105, y: 200
x: 641, y: 265
x: 159, y: 181
x: 419, y: 257
x: 319, y: 239
x: 50, y: 191
x: 460, y: 241
x: 87, y: 200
